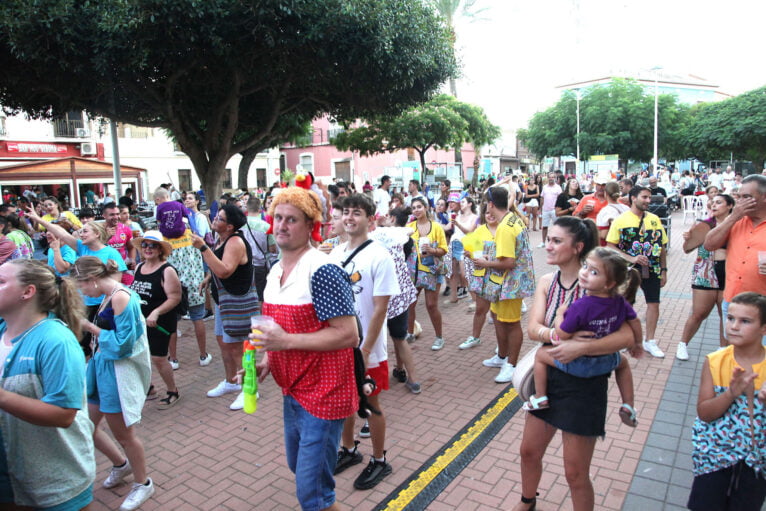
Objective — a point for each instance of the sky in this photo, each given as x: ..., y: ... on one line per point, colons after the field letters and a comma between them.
x: 514, y: 58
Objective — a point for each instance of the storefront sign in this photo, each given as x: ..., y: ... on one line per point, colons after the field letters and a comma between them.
x: 24, y: 147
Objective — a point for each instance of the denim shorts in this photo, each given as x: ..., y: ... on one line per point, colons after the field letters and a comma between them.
x: 218, y: 329
x: 457, y: 250
x: 588, y: 367
x: 311, y: 445
x: 197, y: 312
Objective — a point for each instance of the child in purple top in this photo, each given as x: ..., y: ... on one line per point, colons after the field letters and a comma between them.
x: 170, y: 215
x: 602, y: 311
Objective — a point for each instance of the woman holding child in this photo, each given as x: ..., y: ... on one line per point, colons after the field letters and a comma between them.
x: 577, y: 405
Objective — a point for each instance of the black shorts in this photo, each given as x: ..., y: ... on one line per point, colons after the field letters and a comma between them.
x: 736, y: 488
x: 651, y: 289
x: 160, y: 341
x: 397, y: 326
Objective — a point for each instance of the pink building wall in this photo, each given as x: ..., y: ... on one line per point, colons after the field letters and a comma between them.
x: 326, y: 157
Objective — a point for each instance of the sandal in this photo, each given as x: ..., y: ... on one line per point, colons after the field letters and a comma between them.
x: 166, y: 402
x: 532, y: 501
x: 628, y: 415
x: 536, y: 403
x: 151, y: 393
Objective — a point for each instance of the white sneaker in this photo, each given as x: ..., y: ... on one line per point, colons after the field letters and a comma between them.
x: 523, y: 307
x: 410, y: 338
x: 469, y: 343
x: 495, y: 361
x: 173, y: 363
x: 224, y: 388
x: 438, y: 344
x: 681, y: 352
x: 653, y: 349
x: 541, y: 245
x: 506, y: 373
x: 137, y: 496
x: 206, y: 361
x: 238, y: 403
x: 117, y: 474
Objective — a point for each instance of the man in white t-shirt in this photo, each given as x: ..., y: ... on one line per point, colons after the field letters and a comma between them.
x: 716, y: 178
x: 548, y: 196
x: 413, y: 190
x: 381, y: 196
x: 373, y: 281
x: 728, y: 180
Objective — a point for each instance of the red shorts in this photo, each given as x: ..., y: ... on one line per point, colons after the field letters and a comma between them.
x: 380, y: 375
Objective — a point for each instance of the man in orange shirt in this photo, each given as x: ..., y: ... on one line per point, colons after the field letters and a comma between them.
x: 590, y: 205
x: 743, y: 233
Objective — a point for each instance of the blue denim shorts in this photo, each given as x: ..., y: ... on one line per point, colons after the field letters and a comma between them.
x: 197, y: 312
x: 588, y: 367
x: 218, y: 328
x: 312, y: 451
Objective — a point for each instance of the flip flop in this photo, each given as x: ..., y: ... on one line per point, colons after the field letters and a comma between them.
x: 534, y: 403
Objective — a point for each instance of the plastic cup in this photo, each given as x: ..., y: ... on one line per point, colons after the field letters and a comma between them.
x: 453, y: 216
x: 257, y: 322
x: 478, y: 254
x: 423, y: 243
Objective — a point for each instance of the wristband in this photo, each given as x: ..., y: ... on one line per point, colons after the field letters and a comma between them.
x: 203, y: 248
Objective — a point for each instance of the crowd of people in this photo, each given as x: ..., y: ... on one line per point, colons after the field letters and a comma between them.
x: 340, y: 272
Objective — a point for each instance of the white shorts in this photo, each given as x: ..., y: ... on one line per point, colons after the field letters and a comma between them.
x: 533, y: 203
x: 549, y: 217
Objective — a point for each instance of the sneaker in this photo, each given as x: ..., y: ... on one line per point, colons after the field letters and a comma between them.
x: 117, y: 474
x: 681, y: 352
x: 653, y: 349
x: 238, y: 403
x: 413, y: 387
x: 410, y: 338
x: 208, y: 315
x: 205, y: 361
x: 168, y: 401
x: 417, y: 329
x: 462, y: 293
x: 524, y: 307
x: 224, y: 388
x: 400, y: 375
x: 365, y: 431
x: 438, y: 344
x: 173, y: 363
x: 495, y: 361
x: 139, y: 494
x: 186, y: 317
x: 446, y: 291
x: 506, y: 373
x: 469, y: 343
x: 490, y: 320
x: 541, y: 245
x: 373, y: 474
x: 347, y: 458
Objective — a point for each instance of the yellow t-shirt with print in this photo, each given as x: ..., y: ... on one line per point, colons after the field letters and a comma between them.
x: 437, y: 237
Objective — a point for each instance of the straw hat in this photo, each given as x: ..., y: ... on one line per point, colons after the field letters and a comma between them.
x: 155, y: 237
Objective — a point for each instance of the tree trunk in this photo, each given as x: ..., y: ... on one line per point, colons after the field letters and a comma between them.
x: 210, y: 173
x: 475, y: 177
x: 422, y: 166
x: 248, y: 156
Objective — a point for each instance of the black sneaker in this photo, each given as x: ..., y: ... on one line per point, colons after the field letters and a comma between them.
x: 400, y: 375
x: 347, y: 458
x: 208, y: 315
x: 446, y: 291
x: 462, y: 293
x: 365, y: 431
x: 373, y: 474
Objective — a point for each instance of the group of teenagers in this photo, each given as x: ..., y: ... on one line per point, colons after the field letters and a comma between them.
x: 372, y: 269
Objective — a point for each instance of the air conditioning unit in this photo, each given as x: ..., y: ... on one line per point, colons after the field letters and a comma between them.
x: 81, y: 133
x: 88, y: 148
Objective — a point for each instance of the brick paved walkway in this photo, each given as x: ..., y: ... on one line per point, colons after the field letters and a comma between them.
x: 204, y: 456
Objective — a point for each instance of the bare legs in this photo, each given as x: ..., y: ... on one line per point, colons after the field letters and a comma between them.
x: 432, y: 307
x: 403, y: 353
x: 652, y: 315
x: 199, y: 332
x: 377, y: 425
x: 231, y: 354
x: 125, y: 436
x: 703, y: 301
x: 162, y: 364
x: 509, y: 338
x: 479, y: 316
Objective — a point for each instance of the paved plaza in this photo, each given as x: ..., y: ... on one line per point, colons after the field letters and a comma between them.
x: 454, y: 446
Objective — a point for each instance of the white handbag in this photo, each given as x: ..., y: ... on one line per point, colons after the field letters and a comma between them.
x: 524, y: 374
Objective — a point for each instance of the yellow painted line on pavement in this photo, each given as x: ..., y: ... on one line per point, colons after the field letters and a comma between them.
x: 461, y: 444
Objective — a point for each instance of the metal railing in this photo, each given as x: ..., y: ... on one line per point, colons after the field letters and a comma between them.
x: 66, y: 127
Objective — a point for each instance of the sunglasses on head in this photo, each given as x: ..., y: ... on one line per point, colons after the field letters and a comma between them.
x: 146, y: 244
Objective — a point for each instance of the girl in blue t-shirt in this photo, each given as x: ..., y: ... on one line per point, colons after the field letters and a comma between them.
x: 601, y: 311
x: 46, y: 438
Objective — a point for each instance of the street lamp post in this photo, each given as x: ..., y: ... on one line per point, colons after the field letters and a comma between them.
x: 577, y: 169
x: 655, y: 161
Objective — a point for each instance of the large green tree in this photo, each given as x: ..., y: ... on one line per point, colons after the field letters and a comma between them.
x: 211, y: 71
x: 736, y: 125
x: 441, y: 123
x: 615, y: 118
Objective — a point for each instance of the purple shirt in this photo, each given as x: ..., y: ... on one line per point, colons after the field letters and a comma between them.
x: 170, y: 215
x: 602, y: 316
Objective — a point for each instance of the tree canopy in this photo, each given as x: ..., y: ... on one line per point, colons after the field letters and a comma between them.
x: 616, y: 118
x: 221, y: 75
x: 441, y: 123
x: 736, y: 125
